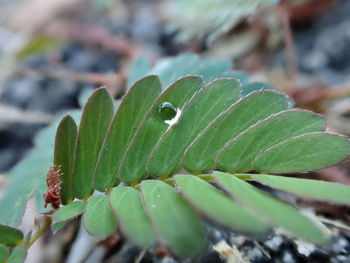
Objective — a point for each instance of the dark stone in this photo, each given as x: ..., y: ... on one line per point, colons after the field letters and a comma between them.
x: 212, y: 257
x: 15, y: 143
x: 318, y: 256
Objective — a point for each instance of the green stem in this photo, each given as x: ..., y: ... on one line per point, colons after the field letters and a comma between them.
x: 41, y: 230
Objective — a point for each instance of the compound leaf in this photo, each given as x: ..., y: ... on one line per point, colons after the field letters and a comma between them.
x: 239, y: 153
x: 98, y: 218
x: 218, y: 207
x: 97, y: 115
x: 133, y: 165
x: 127, y: 205
x: 200, y: 156
x: 320, y: 190
x: 65, y: 140
x: 132, y: 110
x: 69, y: 211
x: 196, y: 115
x: 303, y: 153
x: 177, y: 224
x: 271, y: 209
x: 10, y: 236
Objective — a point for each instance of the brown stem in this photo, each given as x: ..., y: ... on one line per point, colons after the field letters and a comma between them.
x: 91, y: 35
x: 112, y: 81
x: 343, y: 91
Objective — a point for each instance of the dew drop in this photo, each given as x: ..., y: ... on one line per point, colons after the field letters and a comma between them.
x: 169, y: 113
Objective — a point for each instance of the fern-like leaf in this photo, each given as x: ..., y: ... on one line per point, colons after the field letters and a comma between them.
x: 202, y: 127
x: 197, y: 18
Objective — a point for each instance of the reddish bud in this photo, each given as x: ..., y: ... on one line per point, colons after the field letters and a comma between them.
x: 53, y: 180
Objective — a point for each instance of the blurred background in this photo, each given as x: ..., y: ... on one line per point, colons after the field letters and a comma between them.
x: 52, y: 52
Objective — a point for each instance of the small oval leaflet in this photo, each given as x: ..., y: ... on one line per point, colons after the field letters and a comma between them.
x: 169, y: 113
x: 4, y: 253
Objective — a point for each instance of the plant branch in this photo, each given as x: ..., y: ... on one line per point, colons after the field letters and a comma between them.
x: 91, y: 35
x: 41, y: 230
x: 113, y: 81
x: 338, y: 92
x: 141, y: 255
x: 291, y: 58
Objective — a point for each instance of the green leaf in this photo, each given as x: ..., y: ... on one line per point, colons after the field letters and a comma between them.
x: 242, y: 76
x: 133, y: 165
x: 22, y: 188
x: 4, y: 253
x: 133, y: 109
x: 126, y: 202
x: 69, y: 211
x: 176, y: 222
x: 195, y: 116
x: 304, y: 153
x: 200, y: 156
x: 218, y: 207
x: 98, y: 218
x: 84, y: 96
x: 55, y: 227
x: 239, y: 153
x: 255, y: 86
x: 320, y: 190
x: 272, y: 210
x: 39, y: 45
x: 200, y: 18
x: 18, y: 255
x: 65, y: 140
x: 171, y: 69
x: 94, y: 124
x: 138, y: 69
x: 10, y: 236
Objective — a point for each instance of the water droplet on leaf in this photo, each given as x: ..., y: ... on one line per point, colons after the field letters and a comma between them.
x: 169, y: 113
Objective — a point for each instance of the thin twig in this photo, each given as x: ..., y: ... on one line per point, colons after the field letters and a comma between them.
x: 343, y: 91
x: 113, y: 81
x: 334, y: 223
x: 41, y: 230
x: 263, y: 250
x: 141, y: 255
x: 91, y: 35
x: 291, y: 58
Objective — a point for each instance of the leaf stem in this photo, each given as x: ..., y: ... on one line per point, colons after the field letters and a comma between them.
x: 41, y: 230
